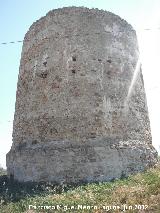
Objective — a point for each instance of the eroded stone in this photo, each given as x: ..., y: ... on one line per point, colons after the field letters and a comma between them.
x: 74, y: 120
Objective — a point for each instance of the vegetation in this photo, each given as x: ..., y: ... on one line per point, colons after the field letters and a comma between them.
x: 142, y: 190
x: 2, y: 171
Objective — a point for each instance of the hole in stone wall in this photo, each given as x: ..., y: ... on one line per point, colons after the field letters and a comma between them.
x: 73, y: 58
x: 73, y: 71
x: 99, y: 59
x: 53, y: 131
x: 45, y: 63
x: 43, y: 75
x: 93, y: 135
x: 109, y: 61
x: 34, y: 142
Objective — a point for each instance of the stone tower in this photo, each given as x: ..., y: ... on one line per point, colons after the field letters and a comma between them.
x: 79, y: 115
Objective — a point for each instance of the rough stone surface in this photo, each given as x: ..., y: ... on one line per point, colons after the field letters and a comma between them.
x: 77, y: 118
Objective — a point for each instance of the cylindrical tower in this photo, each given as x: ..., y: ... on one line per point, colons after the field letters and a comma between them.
x: 81, y: 112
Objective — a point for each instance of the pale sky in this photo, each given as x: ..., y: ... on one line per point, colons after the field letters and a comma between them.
x: 16, y: 16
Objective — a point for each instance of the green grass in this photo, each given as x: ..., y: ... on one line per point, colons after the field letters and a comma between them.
x: 140, y: 189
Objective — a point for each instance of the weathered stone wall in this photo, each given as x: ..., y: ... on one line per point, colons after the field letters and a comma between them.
x: 74, y: 119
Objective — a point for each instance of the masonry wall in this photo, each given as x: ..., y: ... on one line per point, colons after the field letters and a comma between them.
x: 75, y: 117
